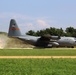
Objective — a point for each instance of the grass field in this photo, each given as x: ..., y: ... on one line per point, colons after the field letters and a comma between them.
x: 38, y: 52
x: 37, y: 66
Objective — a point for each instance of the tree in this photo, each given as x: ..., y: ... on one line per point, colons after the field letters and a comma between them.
x: 70, y: 31
x: 31, y: 32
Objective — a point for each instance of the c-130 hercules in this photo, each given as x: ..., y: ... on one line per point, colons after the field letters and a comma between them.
x: 41, y: 41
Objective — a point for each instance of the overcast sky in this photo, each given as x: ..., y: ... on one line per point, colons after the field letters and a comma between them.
x: 37, y: 14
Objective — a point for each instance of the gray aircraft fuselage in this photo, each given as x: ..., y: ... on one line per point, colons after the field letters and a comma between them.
x: 67, y: 41
x: 41, y: 41
x: 62, y: 42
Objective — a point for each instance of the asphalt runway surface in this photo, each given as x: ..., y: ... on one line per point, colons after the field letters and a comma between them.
x: 35, y: 57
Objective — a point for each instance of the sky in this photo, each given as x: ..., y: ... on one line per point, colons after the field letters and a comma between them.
x: 37, y: 14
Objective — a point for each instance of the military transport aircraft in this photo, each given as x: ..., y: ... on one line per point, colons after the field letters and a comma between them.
x: 41, y: 41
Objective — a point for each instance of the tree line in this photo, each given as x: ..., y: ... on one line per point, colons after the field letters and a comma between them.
x: 69, y: 31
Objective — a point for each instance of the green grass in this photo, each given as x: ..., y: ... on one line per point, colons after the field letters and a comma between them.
x: 37, y: 66
x: 38, y: 52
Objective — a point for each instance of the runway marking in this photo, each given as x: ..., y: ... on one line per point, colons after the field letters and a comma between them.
x: 45, y: 57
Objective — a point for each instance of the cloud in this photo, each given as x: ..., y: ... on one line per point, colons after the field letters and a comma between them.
x: 25, y: 27
x: 25, y: 23
x: 34, y: 25
x: 41, y: 24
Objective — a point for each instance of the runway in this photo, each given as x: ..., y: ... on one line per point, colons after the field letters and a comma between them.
x: 34, y: 57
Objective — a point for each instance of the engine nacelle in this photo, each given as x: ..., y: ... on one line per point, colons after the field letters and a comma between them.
x: 50, y: 37
x: 55, y: 44
x: 55, y: 37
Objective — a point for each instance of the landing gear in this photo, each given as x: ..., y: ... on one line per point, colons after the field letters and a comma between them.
x: 72, y: 47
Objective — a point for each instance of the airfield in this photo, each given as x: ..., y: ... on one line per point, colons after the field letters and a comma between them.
x: 38, y: 53
x: 19, y: 58
x: 17, y: 46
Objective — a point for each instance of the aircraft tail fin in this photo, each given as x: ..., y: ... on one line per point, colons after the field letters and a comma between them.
x: 14, y: 30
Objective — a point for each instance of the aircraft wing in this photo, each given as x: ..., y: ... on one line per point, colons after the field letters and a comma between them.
x: 51, y: 37
x: 48, y: 41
